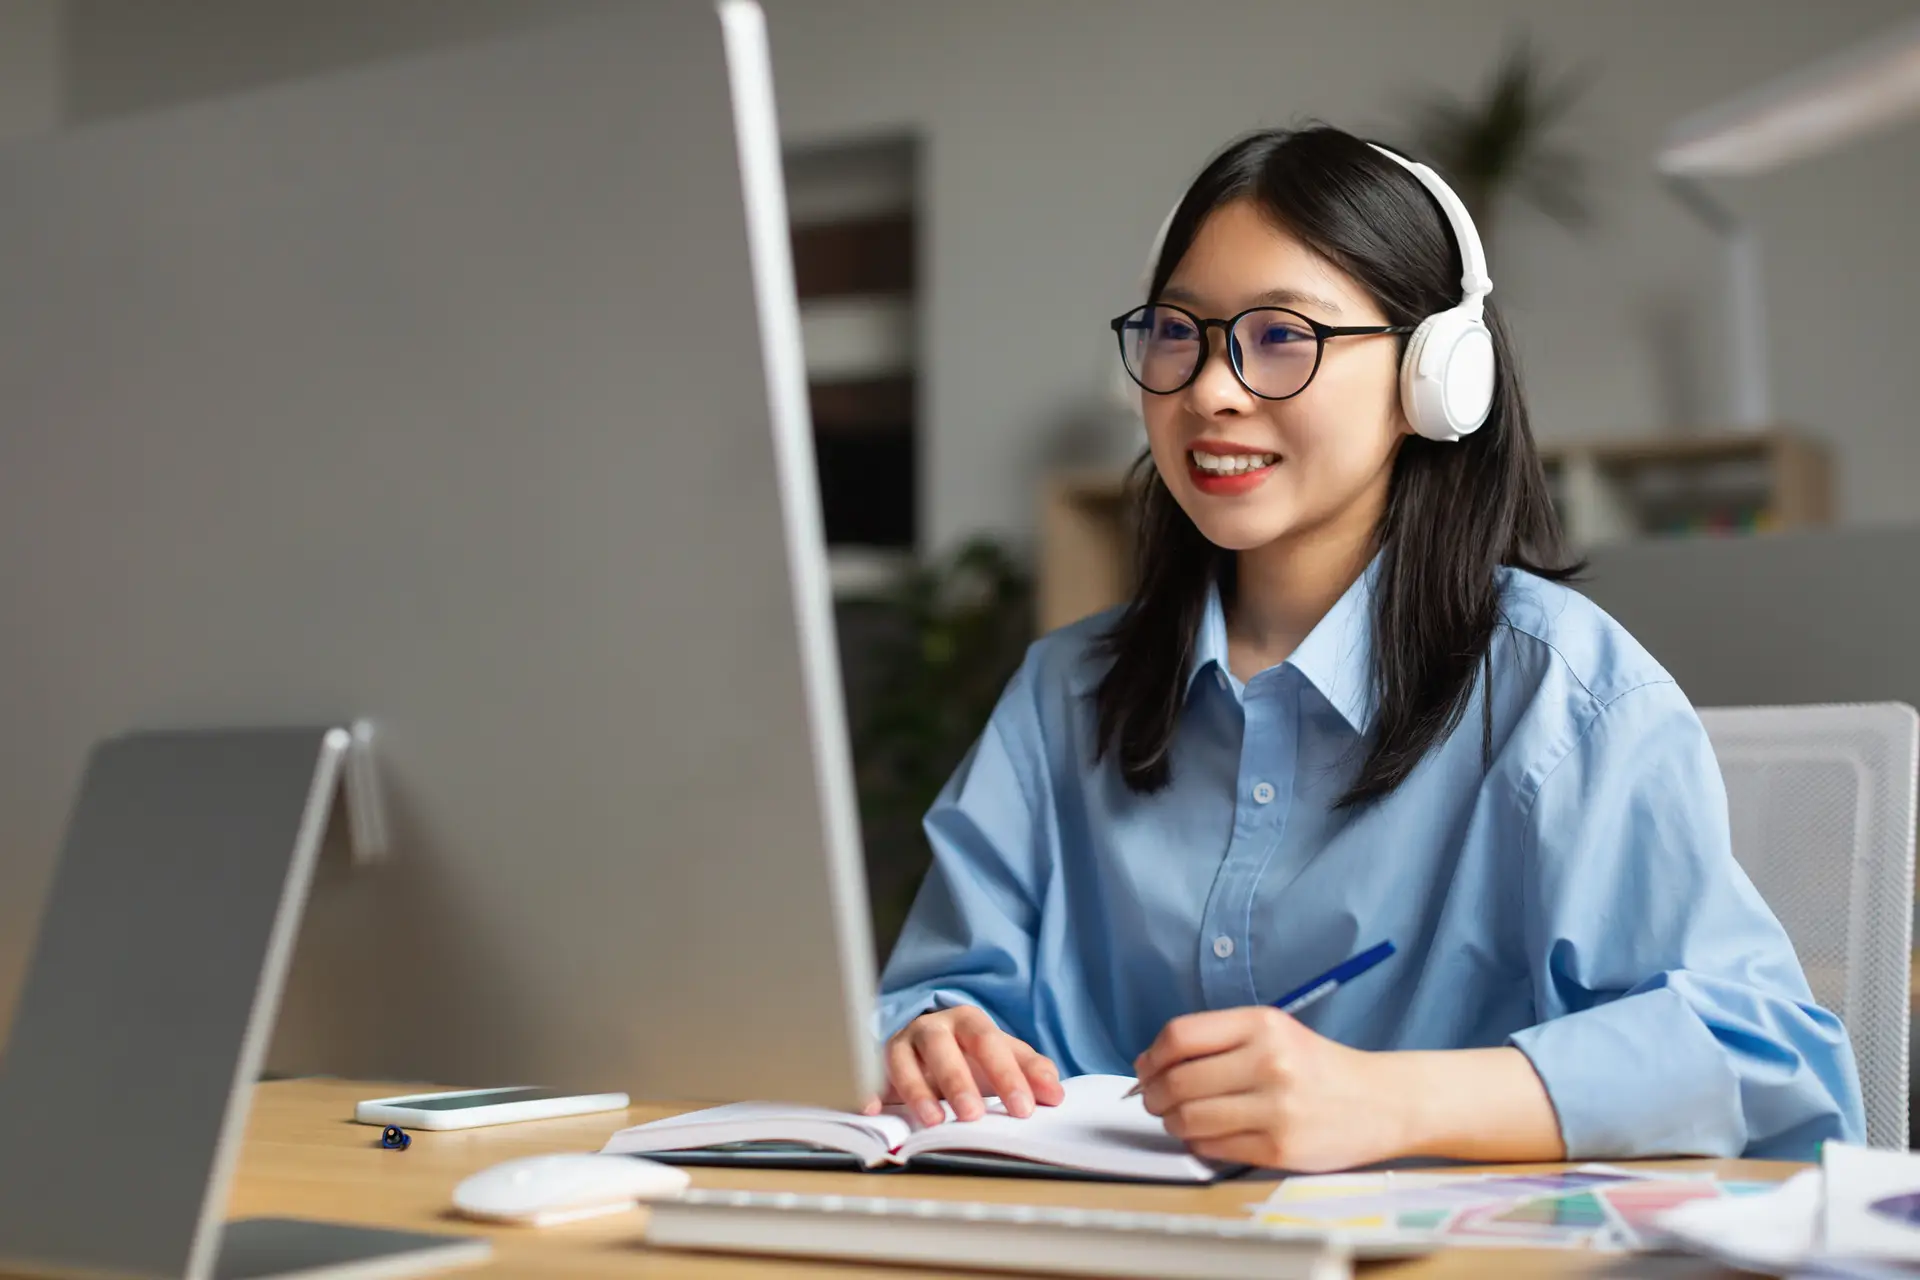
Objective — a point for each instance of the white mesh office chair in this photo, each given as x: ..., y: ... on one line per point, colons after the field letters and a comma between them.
x: 1822, y: 802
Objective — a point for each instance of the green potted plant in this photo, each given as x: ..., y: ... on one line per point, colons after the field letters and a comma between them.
x: 1499, y: 148
x: 940, y: 650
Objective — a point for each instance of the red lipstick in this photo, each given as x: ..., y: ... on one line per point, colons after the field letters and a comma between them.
x: 1230, y: 483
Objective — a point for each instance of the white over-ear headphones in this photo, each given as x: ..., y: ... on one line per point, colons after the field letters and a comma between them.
x: 1446, y: 375
x: 1447, y: 372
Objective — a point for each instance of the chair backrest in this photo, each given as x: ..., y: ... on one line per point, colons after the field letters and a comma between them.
x: 1822, y: 805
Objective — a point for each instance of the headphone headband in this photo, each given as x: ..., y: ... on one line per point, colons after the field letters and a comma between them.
x: 1475, y: 284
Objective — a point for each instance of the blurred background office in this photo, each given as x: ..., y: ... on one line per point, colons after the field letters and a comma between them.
x: 1720, y: 365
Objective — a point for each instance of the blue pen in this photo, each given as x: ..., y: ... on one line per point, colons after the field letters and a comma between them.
x: 1324, y: 985
x: 1321, y: 987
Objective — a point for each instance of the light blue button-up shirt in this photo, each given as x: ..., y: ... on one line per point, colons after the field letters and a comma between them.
x: 1579, y: 899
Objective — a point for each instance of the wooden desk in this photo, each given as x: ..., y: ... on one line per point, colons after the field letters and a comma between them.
x: 305, y: 1157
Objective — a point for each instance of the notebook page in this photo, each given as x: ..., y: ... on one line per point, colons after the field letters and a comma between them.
x: 1095, y: 1129
x: 870, y: 1138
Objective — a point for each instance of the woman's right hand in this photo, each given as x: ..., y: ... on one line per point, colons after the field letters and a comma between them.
x: 959, y: 1054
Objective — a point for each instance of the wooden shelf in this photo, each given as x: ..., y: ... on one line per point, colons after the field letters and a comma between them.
x: 867, y: 255
x: 1729, y: 482
x: 865, y: 404
x: 1086, y: 546
x: 854, y: 232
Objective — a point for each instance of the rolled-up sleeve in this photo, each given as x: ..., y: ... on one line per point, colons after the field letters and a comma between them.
x: 1675, y: 1018
x: 969, y: 938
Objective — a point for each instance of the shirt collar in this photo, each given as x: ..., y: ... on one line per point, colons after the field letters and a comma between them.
x: 1336, y: 657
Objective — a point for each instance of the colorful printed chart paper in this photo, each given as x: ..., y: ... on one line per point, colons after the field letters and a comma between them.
x: 1634, y: 1206
x: 1592, y: 1207
x: 1333, y: 1189
x: 1451, y: 1194
x: 1582, y: 1211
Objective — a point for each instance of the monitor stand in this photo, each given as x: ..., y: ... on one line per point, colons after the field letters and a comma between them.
x: 149, y: 1003
x: 260, y: 1248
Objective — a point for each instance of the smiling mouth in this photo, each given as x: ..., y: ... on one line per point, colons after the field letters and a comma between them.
x: 1230, y: 464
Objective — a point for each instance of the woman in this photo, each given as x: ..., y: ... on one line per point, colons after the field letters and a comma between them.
x: 1351, y: 702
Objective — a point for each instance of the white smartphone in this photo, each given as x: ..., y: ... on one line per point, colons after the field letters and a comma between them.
x: 472, y: 1108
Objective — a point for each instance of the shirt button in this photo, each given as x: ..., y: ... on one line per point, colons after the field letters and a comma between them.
x: 1223, y: 946
x: 1263, y: 793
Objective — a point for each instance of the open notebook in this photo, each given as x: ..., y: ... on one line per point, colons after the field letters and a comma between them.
x: 1094, y: 1133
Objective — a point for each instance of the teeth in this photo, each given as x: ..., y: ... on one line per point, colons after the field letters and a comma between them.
x: 1231, y: 464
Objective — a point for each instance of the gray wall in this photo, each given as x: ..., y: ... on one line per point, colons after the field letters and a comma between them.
x: 30, y: 67
x: 1056, y: 134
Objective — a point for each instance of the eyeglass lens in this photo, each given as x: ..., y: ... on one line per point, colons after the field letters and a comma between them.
x: 1273, y: 350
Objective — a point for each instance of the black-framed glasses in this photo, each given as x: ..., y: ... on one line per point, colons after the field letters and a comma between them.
x: 1274, y: 352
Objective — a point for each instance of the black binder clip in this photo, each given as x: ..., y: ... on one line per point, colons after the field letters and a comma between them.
x: 394, y: 1138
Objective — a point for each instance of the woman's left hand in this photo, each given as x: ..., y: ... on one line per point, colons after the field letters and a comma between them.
x: 1255, y: 1086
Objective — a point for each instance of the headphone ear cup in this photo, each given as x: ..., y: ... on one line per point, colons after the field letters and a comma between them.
x: 1446, y: 376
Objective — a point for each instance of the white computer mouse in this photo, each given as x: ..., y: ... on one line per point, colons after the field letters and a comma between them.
x: 541, y: 1191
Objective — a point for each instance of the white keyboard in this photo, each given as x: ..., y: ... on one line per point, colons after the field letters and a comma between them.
x: 1023, y: 1237
x: 845, y: 1207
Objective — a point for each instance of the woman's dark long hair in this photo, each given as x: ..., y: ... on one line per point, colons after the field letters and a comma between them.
x: 1455, y: 512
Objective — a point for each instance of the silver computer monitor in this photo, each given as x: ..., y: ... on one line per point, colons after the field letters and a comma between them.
x: 463, y: 395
